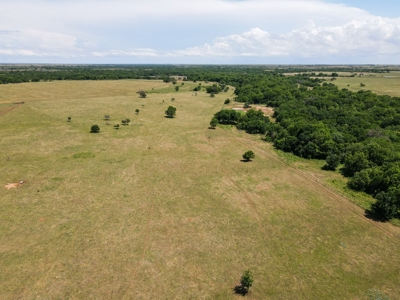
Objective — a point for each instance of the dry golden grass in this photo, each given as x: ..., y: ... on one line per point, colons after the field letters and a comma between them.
x: 165, y: 209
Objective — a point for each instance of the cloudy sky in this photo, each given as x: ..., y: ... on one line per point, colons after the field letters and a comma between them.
x: 200, y: 32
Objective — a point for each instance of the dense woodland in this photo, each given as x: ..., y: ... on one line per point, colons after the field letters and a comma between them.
x: 357, y: 132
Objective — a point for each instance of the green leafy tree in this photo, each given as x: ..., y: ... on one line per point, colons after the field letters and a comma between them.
x: 170, y: 112
x: 177, y: 88
x: 248, y: 155
x: 69, y: 119
x: 246, y: 282
x: 227, y: 101
x: 214, y: 122
x: 332, y: 161
x: 137, y: 111
x: 95, y: 129
x: 387, y: 204
x: 227, y: 116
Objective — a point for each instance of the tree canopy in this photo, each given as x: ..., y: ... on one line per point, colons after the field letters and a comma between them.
x: 170, y: 112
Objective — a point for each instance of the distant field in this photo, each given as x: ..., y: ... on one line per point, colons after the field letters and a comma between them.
x: 165, y: 208
x: 382, y: 84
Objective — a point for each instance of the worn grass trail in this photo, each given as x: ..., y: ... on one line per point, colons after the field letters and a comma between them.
x: 164, y: 208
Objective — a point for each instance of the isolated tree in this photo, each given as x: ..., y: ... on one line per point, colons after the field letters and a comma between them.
x: 123, y: 122
x: 137, y: 111
x: 247, y: 280
x: 116, y: 126
x: 214, y: 122
x: 177, y: 88
x: 127, y: 121
x: 171, y: 111
x: 95, y: 129
x: 227, y: 101
x: 174, y: 82
x: 212, y: 95
x: 172, y: 99
x: 142, y: 94
x: 248, y: 155
x: 69, y: 119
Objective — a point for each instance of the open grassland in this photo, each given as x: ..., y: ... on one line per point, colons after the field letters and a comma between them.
x: 165, y: 209
x: 382, y: 84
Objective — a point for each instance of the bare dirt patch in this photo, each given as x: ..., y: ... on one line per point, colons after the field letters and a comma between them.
x: 10, y: 109
x: 14, y: 185
x: 268, y: 111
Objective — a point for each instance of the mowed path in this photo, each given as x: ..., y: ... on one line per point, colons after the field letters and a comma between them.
x: 165, y: 209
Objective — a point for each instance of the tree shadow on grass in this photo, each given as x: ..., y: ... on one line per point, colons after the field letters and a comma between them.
x: 240, y: 290
x: 211, y: 127
x: 245, y: 160
x: 168, y: 117
x: 327, y: 168
x: 370, y: 215
x: 374, y: 216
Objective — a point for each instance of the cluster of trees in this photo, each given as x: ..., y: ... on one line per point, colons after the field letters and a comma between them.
x: 359, y: 131
x: 252, y: 121
x: 216, y: 88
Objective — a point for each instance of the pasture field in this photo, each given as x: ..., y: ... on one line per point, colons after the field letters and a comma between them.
x: 381, y: 84
x: 165, y: 208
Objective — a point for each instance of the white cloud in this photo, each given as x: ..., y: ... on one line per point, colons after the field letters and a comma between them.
x: 170, y: 29
x: 132, y: 52
x: 33, y: 42
x: 375, y: 37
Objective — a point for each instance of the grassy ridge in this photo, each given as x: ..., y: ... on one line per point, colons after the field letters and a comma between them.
x: 164, y: 208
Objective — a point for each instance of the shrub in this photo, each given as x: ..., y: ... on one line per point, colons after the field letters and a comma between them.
x: 214, y: 122
x: 142, y: 94
x: 95, y: 129
x: 248, y: 155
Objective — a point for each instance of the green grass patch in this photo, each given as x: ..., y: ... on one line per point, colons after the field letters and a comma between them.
x: 84, y: 155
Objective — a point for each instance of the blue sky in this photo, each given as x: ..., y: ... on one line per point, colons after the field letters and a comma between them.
x: 200, y: 32
x: 385, y: 8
